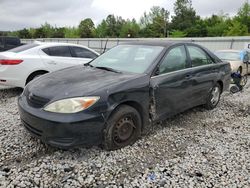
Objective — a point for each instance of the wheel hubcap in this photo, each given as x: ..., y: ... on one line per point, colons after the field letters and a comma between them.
x: 215, y: 95
x: 124, y: 129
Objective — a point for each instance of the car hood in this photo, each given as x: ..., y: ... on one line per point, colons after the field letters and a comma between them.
x: 76, y: 81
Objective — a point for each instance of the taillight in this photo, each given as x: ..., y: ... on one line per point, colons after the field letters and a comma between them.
x: 10, y: 61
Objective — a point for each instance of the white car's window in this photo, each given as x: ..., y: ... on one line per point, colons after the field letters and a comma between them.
x: 60, y: 51
x: 82, y: 52
x: 175, y: 60
x: 198, y: 56
x: 23, y: 48
x: 233, y: 56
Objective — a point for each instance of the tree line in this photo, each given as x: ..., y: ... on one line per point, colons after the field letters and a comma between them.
x: 156, y: 23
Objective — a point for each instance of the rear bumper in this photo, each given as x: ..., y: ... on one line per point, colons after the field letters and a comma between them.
x: 12, y: 77
x: 63, y: 131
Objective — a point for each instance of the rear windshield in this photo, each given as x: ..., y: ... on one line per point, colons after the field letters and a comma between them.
x: 23, y: 48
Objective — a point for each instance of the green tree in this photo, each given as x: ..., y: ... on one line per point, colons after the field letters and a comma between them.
x: 24, y: 34
x: 178, y: 34
x: 58, y: 33
x: 86, y: 28
x: 217, y: 25
x: 155, y: 23
x: 185, y: 16
x: 101, y: 29
x: 39, y: 33
x: 114, y: 25
x: 71, y: 32
x: 243, y: 15
x: 130, y: 29
x: 237, y: 29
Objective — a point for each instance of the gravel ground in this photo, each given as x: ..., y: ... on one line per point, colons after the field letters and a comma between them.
x: 197, y: 148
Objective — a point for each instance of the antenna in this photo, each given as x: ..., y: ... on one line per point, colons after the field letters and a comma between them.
x: 105, y: 46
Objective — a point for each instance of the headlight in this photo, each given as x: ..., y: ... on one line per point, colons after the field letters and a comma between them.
x: 71, y: 105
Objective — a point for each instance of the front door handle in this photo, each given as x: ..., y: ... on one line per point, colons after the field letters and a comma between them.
x: 188, y: 75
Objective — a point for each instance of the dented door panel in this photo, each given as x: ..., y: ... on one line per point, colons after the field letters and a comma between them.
x: 171, y: 92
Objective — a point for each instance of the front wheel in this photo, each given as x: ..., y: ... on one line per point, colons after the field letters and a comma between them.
x: 123, y: 128
x: 213, y: 97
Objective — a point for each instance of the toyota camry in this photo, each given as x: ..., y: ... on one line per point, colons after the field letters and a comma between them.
x: 115, y: 98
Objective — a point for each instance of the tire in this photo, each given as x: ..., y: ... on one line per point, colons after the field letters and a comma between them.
x: 243, y: 81
x: 239, y: 70
x: 213, y: 97
x: 234, y: 89
x: 123, y: 128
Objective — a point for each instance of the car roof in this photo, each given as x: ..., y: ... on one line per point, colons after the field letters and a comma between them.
x: 58, y: 43
x: 154, y: 43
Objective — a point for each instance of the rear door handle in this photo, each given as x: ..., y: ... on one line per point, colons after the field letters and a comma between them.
x: 52, y: 62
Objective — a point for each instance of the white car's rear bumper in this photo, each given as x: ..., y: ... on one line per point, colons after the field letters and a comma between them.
x: 11, y: 76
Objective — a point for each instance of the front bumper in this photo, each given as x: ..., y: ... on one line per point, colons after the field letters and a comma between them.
x: 62, y: 130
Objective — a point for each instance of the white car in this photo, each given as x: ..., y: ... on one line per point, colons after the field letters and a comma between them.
x: 238, y: 59
x: 20, y: 65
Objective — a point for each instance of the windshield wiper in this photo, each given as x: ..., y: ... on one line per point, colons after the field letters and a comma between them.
x: 108, y: 69
x: 88, y: 64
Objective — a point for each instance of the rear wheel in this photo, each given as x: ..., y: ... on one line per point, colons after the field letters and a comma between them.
x: 123, y: 128
x: 243, y: 81
x: 213, y: 97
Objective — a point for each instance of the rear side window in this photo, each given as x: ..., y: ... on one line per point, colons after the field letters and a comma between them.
x: 60, y: 51
x: 23, y: 48
x: 175, y: 60
x: 82, y: 52
x: 198, y: 56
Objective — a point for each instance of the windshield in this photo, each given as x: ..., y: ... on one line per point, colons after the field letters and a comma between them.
x: 233, y: 56
x: 128, y: 58
x: 23, y: 48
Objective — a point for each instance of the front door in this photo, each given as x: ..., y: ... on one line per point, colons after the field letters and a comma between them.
x: 170, y: 87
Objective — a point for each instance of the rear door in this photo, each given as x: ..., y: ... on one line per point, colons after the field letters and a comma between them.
x: 58, y: 57
x: 204, y: 73
x: 171, y: 85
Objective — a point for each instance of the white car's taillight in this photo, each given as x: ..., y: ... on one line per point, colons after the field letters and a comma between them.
x: 10, y: 61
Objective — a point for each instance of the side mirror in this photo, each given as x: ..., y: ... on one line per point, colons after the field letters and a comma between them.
x: 157, y: 72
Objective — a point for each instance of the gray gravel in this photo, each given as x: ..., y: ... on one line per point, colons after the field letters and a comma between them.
x: 197, y: 148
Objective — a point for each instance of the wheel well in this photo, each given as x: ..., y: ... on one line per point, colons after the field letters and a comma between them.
x: 32, y: 75
x: 221, y: 84
x: 136, y: 106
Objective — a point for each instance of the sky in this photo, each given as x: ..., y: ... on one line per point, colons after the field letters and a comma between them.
x: 19, y: 14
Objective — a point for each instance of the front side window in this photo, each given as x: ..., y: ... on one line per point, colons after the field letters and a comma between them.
x: 128, y: 58
x: 60, y: 51
x: 175, y: 60
x: 198, y: 56
x: 82, y: 52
